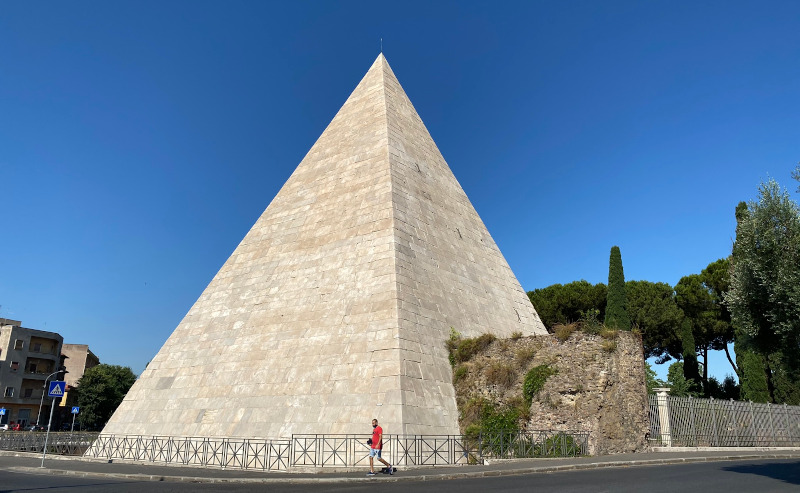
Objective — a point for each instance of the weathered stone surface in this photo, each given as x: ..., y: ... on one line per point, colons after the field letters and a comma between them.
x: 334, y: 307
x: 599, y: 386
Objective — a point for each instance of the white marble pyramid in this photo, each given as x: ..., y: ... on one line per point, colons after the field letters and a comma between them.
x: 335, y: 308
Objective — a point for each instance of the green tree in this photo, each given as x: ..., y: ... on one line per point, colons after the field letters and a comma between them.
x: 652, y: 308
x: 566, y: 303
x: 678, y: 384
x: 716, y: 278
x: 764, y: 295
x: 100, y: 390
x: 702, y: 311
x: 616, y: 304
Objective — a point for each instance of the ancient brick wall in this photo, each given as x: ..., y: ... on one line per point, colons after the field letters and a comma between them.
x: 598, y: 385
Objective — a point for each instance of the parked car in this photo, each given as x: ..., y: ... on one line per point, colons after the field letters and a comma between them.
x: 14, y: 427
x: 35, y: 428
x: 4, y: 427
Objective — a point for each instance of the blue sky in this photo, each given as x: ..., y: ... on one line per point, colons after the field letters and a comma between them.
x: 139, y: 141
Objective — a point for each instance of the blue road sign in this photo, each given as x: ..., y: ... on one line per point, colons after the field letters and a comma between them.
x: 2, y: 411
x: 75, y: 409
x: 56, y: 389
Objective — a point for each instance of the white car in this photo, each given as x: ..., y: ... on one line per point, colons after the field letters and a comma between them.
x: 4, y: 427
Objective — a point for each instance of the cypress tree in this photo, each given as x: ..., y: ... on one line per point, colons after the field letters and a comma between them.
x: 616, y: 301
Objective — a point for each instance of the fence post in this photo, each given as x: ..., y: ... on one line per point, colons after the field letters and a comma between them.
x: 786, y: 425
x: 694, y: 425
x: 715, y: 442
x: 663, y: 415
x: 771, y: 424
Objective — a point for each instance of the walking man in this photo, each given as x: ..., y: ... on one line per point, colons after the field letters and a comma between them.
x: 375, y: 447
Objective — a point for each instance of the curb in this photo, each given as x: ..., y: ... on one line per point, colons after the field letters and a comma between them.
x: 395, y: 478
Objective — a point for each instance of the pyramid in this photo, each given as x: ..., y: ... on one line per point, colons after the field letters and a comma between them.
x: 335, y: 307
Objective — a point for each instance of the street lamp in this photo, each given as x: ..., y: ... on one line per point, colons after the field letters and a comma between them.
x: 61, y: 369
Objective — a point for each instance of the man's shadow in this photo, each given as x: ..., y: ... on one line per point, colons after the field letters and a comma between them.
x: 786, y: 471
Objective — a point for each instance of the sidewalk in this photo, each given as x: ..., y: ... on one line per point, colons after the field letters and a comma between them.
x: 58, y: 465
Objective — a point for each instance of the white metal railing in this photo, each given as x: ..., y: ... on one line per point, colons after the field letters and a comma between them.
x: 694, y: 422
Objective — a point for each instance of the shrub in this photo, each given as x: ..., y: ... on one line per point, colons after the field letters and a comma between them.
x: 452, y: 344
x: 515, y: 336
x: 501, y: 374
x: 562, y: 332
x: 525, y: 354
x: 535, y: 380
x: 459, y: 373
x: 467, y: 348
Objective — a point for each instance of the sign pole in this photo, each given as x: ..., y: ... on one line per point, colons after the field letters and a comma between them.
x: 44, y: 452
x: 73, y: 425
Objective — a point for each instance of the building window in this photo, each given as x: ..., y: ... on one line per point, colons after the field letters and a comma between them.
x: 14, y: 365
x: 32, y: 368
x: 28, y: 393
x: 37, y: 348
x: 9, y: 392
x: 18, y: 344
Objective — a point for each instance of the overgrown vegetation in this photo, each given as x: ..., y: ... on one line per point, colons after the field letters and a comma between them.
x: 501, y: 374
x: 462, y: 349
x: 480, y: 415
x: 535, y: 380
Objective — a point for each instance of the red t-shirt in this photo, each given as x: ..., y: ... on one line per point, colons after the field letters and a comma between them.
x: 377, y: 438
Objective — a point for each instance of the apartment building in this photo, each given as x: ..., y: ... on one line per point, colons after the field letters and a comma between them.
x: 78, y: 359
x: 27, y: 358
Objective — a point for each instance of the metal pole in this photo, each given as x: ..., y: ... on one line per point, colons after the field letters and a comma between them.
x: 771, y: 424
x: 713, y: 422
x: 73, y: 425
x: 44, y: 452
x: 41, y: 401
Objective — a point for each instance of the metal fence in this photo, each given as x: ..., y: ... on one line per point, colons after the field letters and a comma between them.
x: 693, y: 422
x: 265, y: 455
x: 304, y: 450
x: 60, y: 443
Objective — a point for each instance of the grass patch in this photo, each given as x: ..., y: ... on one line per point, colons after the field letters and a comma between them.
x: 501, y: 374
x: 535, y: 380
x: 525, y: 354
x: 459, y: 373
x: 515, y: 336
x: 562, y: 332
x: 462, y: 350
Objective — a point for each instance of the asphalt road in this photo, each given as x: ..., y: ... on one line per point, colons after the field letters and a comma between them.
x: 762, y: 476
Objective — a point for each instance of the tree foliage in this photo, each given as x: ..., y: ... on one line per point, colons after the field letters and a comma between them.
x: 764, y: 297
x: 652, y: 308
x: 567, y: 303
x: 616, y: 301
x: 678, y: 384
x: 100, y: 391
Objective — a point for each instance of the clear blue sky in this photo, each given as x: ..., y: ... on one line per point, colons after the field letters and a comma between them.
x: 139, y: 141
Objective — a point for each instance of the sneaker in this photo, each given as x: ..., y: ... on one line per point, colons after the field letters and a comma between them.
x: 370, y: 473
x: 391, y: 470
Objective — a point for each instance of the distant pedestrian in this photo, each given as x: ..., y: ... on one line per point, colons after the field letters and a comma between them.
x: 375, y: 447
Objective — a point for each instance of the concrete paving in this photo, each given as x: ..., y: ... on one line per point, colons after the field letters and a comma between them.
x: 79, y: 467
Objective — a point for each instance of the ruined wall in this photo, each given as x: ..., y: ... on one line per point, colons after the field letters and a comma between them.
x: 599, y: 385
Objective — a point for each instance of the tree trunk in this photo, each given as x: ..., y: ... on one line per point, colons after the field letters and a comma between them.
x: 705, y: 372
x: 730, y: 360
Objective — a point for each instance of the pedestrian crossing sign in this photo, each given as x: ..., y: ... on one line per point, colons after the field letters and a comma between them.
x: 56, y: 389
x: 75, y: 409
x: 2, y: 411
